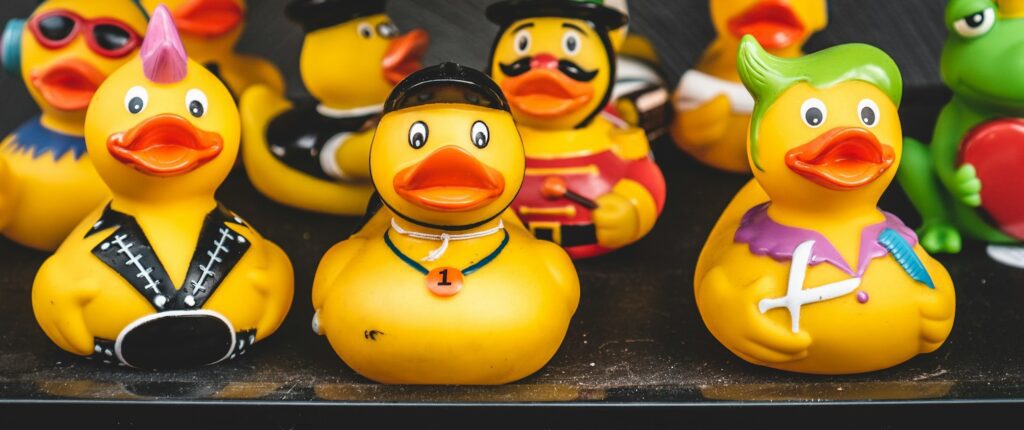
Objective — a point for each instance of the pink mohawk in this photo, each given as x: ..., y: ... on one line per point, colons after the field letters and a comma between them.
x: 163, y: 56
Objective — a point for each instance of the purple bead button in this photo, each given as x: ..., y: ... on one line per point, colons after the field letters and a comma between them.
x: 862, y: 297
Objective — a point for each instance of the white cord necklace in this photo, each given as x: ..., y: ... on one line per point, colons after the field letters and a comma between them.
x: 444, y: 238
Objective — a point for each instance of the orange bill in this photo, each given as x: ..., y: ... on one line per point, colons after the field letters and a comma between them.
x: 165, y: 145
x: 772, y: 22
x: 67, y: 84
x: 405, y: 55
x: 449, y: 179
x: 547, y: 93
x: 208, y: 18
x: 842, y: 159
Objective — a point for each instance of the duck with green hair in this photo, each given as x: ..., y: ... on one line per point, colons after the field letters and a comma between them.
x: 803, y: 272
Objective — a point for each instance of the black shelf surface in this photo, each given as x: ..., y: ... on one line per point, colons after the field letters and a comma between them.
x: 636, y: 340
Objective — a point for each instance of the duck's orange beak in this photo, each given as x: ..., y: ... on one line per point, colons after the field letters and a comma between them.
x: 450, y: 180
x: 208, y: 18
x: 165, y: 145
x: 405, y: 55
x: 546, y: 92
x: 67, y: 84
x: 772, y: 22
x: 842, y: 159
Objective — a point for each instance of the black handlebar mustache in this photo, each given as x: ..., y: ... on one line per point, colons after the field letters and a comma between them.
x: 568, y: 68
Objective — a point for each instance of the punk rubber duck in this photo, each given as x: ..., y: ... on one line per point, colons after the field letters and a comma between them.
x: 162, y: 276
x: 712, y: 108
x: 590, y: 185
x: 312, y: 154
x: 62, y: 52
x: 802, y: 271
x: 444, y: 285
x: 210, y: 29
x: 967, y: 182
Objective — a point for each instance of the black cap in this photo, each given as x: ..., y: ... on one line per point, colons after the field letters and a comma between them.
x: 426, y: 86
x: 509, y: 11
x: 314, y: 15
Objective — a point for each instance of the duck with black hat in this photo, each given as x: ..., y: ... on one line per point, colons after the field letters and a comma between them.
x: 312, y: 154
x: 590, y: 185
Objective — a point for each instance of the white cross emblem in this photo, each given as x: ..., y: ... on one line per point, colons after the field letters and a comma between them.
x: 796, y: 296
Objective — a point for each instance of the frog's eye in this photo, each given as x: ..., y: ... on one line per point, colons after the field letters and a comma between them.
x: 365, y: 30
x: 136, y: 99
x: 976, y: 24
x: 868, y: 111
x: 196, y: 103
x: 418, y: 134
x: 522, y: 41
x: 813, y: 112
x: 481, y: 134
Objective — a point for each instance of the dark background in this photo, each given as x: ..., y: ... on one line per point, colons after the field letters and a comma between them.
x: 910, y: 30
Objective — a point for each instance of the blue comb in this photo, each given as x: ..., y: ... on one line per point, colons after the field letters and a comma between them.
x: 905, y: 256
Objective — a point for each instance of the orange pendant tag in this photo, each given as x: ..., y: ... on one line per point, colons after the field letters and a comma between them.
x: 444, y: 281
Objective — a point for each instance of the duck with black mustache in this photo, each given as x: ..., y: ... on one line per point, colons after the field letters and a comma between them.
x: 590, y: 185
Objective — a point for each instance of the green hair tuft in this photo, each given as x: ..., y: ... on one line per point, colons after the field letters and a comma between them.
x: 767, y: 76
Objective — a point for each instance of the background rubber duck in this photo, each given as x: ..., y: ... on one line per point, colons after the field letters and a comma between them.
x: 712, y: 106
x: 444, y: 285
x: 590, y: 186
x: 640, y: 97
x: 802, y: 272
x: 62, y: 52
x: 968, y: 180
x: 210, y: 29
x: 311, y: 154
x: 162, y: 277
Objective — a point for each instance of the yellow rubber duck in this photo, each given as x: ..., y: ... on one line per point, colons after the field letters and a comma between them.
x: 210, y: 29
x: 712, y: 108
x: 443, y: 285
x: 312, y: 154
x: 803, y: 272
x: 590, y: 184
x: 62, y: 52
x: 162, y: 277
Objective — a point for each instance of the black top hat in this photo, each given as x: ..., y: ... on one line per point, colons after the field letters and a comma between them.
x: 427, y: 86
x: 314, y: 15
x: 506, y: 12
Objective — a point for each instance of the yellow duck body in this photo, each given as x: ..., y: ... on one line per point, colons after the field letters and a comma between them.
x: 802, y: 272
x: 48, y: 182
x: 712, y: 108
x: 162, y: 250
x: 210, y: 29
x: 395, y: 323
x: 348, y: 91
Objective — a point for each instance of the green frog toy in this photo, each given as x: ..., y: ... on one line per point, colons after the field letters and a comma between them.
x: 969, y: 180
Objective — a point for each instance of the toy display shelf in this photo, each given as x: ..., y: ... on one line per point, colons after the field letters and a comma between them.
x: 636, y: 342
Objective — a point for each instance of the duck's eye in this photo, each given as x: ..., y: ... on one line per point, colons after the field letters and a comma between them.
x: 976, y: 24
x: 418, y: 134
x: 814, y: 112
x: 195, y: 102
x: 136, y: 99
x: 365, y: 30
x: 523, y: 40
x: 868, y: 110
x: 571, y: 42
x: 481, y: 134
x: 387, y: 30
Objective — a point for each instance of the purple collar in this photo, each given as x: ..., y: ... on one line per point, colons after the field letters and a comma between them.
x: 767, y: 237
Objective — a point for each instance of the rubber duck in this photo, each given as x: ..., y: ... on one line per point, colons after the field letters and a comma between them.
x: 640, y: 97
x: 210, y: 29
x: 312, y: 154
x: 62, y: 52
x: 712, y: 108
x: 444, y: 285
x: 590, y: 185
x: 803, y: 272
x: 162, y: 276
x: 967, y: 181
